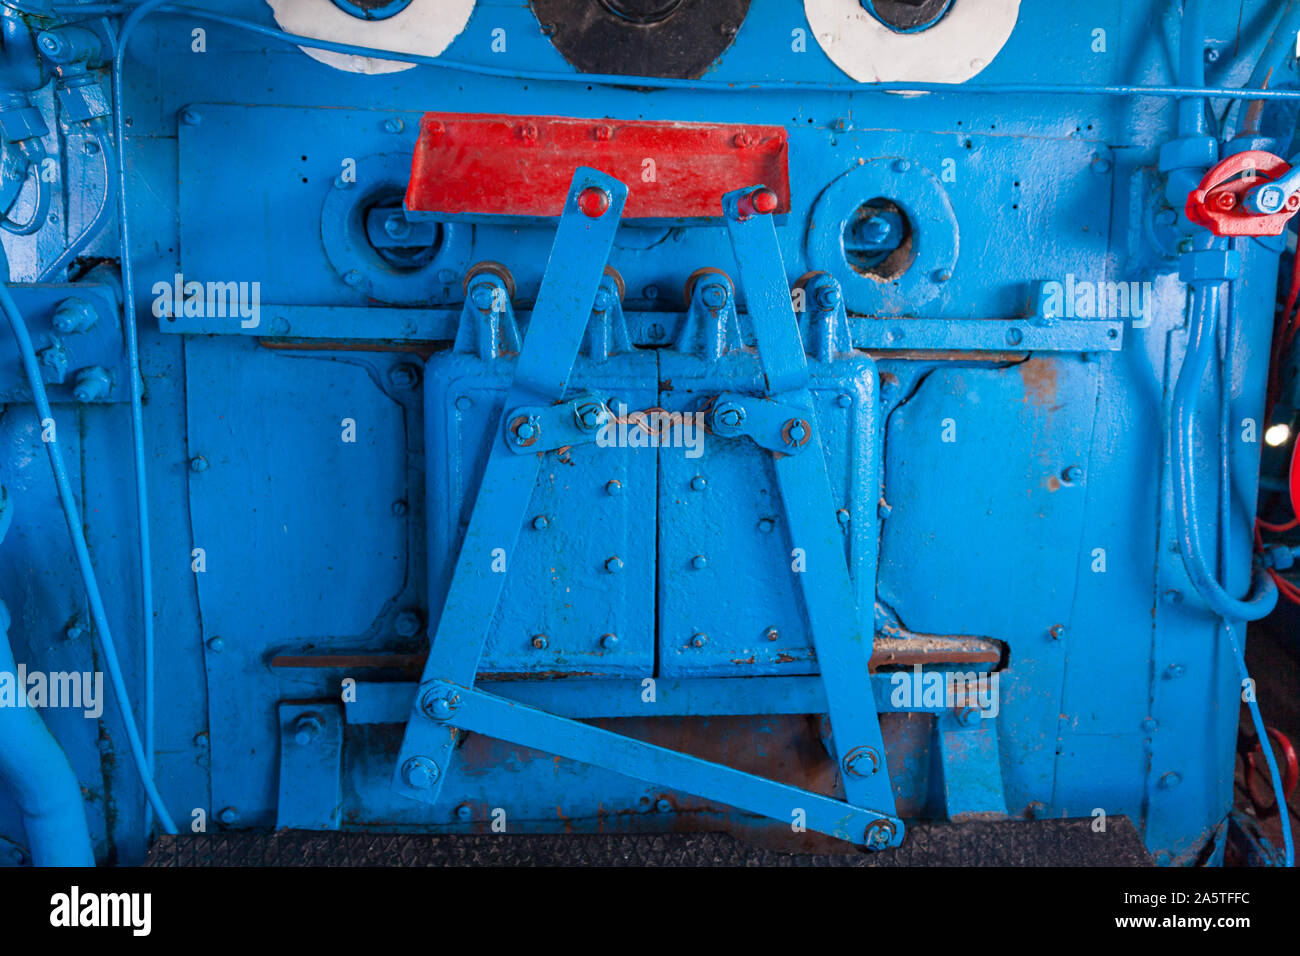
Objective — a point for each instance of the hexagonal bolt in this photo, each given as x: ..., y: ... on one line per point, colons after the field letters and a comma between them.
x: 408, y: 623
x: 74, y: 315
x: 439, y: 703
x: 92, y: 384
x: 404, y: 375
x: 590, y: 415
x: 879, y: 834
x: 861, y: 762
x: 726, y: 418
x: 420, y: 773
x: 307, y: 728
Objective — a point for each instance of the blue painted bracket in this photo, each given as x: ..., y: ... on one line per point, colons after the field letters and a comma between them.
x: 446, y: 702
x: 842, y: 643
x: 564, y: 304
x: 972, y: 771
x: 495, y: 716
x: 311, y: 760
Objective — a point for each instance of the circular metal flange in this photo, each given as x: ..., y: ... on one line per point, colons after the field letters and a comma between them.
x: 425, y: 29
x: 954, y: 49
x: 932, y: 223
x: 669, y: 38
x: 382, y: 178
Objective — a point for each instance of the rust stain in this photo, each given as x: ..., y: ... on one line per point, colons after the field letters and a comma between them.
x: 1040, y: 380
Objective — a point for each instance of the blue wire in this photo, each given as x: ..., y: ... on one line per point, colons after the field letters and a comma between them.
x: 73, y: 518
x: 137, y: 386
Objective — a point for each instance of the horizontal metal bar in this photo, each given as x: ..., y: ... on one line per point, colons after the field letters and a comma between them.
x: 353, y: 323
x: 389, y: 702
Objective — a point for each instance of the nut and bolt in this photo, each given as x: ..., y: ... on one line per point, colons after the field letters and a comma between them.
x: 92, y: 383
x: 438, y: 703
x: 420, y: 773
x: 306, y: 729
x: 408, y: 623
x: 74, y: 315
x: 861, y: 762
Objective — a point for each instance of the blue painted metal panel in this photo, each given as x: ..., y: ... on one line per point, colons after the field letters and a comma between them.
x: 317, y: 548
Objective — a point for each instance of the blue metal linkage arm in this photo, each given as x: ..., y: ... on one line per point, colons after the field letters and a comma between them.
x: 842, y: 644
x: 564, y: 302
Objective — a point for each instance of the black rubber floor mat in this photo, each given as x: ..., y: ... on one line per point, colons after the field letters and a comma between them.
x: 1008, y: 843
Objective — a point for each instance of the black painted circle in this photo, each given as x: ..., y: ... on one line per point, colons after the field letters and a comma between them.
x: 668, y: 38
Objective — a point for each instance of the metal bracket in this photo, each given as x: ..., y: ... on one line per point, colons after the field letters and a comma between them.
x: 781, y: 428
x: 531, y: 429
x: 842, y: 643
x: 311, y: 758
x: 446, y: 702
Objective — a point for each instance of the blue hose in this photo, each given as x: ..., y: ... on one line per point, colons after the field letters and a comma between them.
x: 1191, y: 67
x: 41, y: 780
x: 32, y: 369
x: 1201, y: 345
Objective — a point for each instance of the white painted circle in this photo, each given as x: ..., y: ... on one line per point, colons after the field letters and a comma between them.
x: 952, y: 51
x: 425, y: 29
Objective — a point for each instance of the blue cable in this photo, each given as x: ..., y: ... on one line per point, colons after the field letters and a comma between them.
x: 32, y: 369
x: 137, y: 382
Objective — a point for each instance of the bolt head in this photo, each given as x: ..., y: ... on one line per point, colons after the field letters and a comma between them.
x: 464, y: 812
x: 1057, y: 631
x: 614, y: 487
x: 594, y: 202
x: 408, y: 623
x: 699, y: 483
x: 614, y: 565
x: 699, y: 562
x: 663, y: 806
x: 699, y: 640
x: 771, y: 634
x: 540, y: 523
x: 228, y: 815
x: 420, y: 773
x: 764, y: 201
x: 540, y: 642
x: 609, y: 641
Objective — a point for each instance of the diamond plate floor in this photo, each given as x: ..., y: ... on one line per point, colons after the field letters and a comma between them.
x: 1005, y: 843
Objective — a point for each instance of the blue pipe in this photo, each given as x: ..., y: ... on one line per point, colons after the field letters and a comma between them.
x: 1200, y: 347
x: 137, y: 398
x: 1191, y: 67
x: 98, y: 615
x: 38, y: 774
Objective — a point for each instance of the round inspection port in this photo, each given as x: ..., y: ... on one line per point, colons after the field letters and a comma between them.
x: 404, y: 245
x: 877, y: 240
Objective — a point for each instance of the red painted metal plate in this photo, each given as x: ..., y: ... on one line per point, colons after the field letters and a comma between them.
x: 473, y: 164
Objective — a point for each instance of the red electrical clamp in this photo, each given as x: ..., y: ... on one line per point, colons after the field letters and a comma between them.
x: 1217, y: 203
